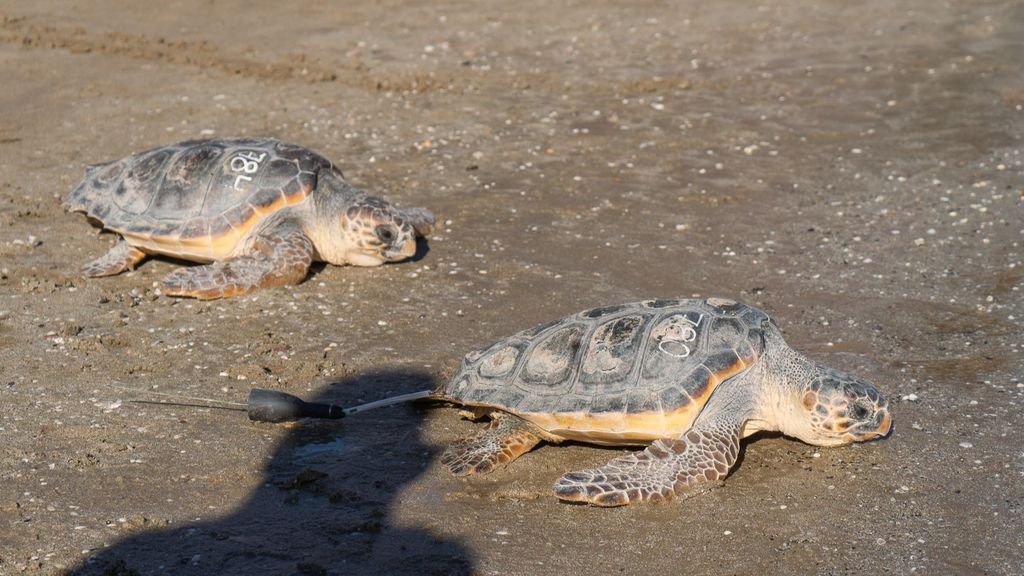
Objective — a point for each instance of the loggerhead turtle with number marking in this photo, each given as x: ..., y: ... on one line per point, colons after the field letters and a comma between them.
x: 259, y: 211
x: 687, y: 378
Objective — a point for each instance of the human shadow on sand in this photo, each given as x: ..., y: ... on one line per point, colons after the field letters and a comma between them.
x: 322, y: 508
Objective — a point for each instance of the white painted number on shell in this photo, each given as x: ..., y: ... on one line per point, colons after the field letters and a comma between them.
x: 686, y: 332
x: 674, y: 348
x: 245, y: 163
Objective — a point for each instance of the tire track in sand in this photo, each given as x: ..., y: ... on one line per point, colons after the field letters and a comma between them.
x: 202, y: 54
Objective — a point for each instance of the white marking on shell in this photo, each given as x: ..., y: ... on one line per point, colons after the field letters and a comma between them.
x: 674, y: 348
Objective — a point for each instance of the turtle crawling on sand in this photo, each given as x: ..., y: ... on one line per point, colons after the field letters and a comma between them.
x: 687, y: 378
x: 259, y: 210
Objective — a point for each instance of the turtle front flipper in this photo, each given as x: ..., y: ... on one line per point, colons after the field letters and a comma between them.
x: 667, y: 468
x: 421, y: 220
x: 121, y: 257
x: 505, y: 439
x: 275, y: 259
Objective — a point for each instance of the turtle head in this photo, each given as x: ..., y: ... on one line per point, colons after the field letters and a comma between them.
x: 376, y: 232
x: 839, y: 409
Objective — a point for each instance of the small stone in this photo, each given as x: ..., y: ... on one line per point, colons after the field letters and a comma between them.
x: 909, y: 397
x: 108, y: 406
x: 966, y: 444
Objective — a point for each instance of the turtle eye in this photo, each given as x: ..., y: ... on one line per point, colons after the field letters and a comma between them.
x: 386, y: 233
x: 858, y: 412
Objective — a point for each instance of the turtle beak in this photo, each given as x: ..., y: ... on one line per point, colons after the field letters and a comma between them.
x: 403, y: 247
x: 885, y: 427
x: 878, y: 427
x: 401, y: 251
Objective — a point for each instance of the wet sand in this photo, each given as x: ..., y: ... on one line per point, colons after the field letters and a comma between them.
x: 855, y: 171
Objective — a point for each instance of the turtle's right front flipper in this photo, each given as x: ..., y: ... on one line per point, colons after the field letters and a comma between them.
x: 277, y: 259
x: 667, y: 468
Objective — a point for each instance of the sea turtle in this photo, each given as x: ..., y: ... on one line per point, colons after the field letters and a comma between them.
x: 688, y: 378
x: 260, y: 210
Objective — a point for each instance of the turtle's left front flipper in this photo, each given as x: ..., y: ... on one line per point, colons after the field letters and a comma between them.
x: 276, y: 259
x: 667, y: 468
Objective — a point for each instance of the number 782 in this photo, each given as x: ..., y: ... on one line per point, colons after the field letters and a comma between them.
x: 243, y: 164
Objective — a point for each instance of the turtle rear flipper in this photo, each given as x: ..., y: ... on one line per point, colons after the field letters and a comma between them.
x: 121, y: 257
x: 505, y: 439
x: 667, y: 468
x: 276, y: 259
